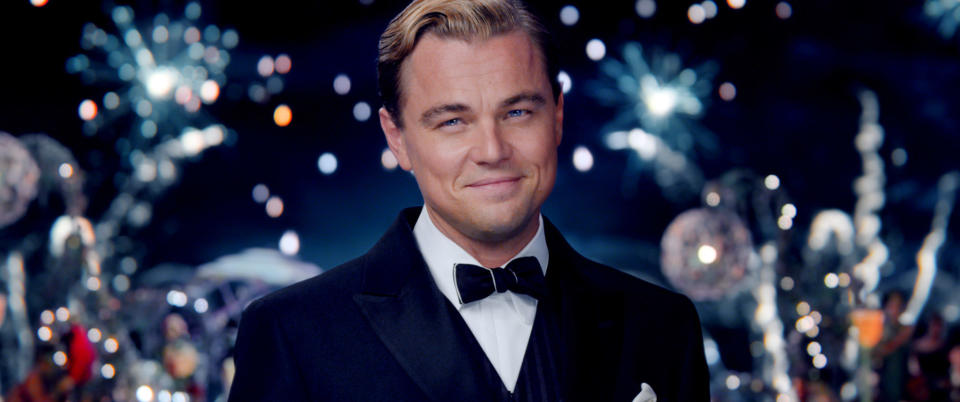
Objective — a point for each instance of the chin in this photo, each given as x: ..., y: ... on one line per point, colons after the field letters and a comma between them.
x: 500, y: 227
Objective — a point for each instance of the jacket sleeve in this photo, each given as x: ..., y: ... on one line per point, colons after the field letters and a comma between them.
x: 266, y: 370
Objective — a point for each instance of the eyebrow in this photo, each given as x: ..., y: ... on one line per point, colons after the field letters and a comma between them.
x: 432, y: 113
x: 533, y: 97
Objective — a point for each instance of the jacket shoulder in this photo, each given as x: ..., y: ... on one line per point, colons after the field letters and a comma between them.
x: 330, y: 288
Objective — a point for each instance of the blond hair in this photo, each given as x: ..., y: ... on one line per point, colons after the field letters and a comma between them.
x: 456, y: 19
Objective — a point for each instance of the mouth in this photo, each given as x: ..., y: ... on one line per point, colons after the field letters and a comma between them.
x: 494, y: 182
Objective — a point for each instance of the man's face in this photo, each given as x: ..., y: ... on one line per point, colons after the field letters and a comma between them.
x: 481, y: 130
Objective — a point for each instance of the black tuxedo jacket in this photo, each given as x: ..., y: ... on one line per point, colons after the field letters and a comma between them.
x: 377, y: 328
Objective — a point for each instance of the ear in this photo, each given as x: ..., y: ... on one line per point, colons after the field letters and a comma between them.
x: 558, y: 123
x: 395, y: 139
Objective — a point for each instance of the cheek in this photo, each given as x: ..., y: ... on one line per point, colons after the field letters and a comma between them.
x: 435, y: 161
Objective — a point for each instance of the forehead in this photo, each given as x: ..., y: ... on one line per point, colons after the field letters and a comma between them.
x: 447, y: 66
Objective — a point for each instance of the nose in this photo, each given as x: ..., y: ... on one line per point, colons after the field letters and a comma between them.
x: 491, y: 147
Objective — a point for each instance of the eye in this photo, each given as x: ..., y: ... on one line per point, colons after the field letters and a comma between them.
x: 451, y: 122
x: 518, y: 113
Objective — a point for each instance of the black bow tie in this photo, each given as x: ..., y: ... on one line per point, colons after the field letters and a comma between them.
x: 522, y: 275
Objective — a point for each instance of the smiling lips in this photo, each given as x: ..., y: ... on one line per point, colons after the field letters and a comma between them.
x: 497, y: 187
x: 494, y: 181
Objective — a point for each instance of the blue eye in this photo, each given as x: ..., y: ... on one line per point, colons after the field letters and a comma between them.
x: 518, y: 113
x: 451, y: 122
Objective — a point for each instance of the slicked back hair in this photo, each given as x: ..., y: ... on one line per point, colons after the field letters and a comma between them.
x: 466, y: 20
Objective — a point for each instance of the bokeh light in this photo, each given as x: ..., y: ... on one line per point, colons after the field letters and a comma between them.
x: 362, y: 111
x: 388, y: 159
x: 274, y: 207
x: 260, y: 193
x: 341, y: 84
x: 569, y: 15
x: 696, y: 14
x: 709, y: 8
x: 144, y: 393
x: 706, y: 253
x: 898, y: 157
x: 93, y: 283
x: 107, y: 371
x: 772, y: 182
x: 201, y: 305
x: 582, y: 159
x: 282, y: 64
x: 87, y: 109
x: 290, y: 243
x: 645, y: 8
x: 111, y: 345
x: 60, y: 358
x: 65, y: 170
x: 784, y: 10
x: 327, y: 163
x: 209, y: 91
x: 177, y: 298
x: 63, y: 314
x: 566, y: 82
x: 282, y: 115
x: 47, y: 317
x: 596, y: 49
x: 94, y: 335
x: 265, y: 66
x: 732, y: 382
x: 727, y: 91
x: 44, y: 334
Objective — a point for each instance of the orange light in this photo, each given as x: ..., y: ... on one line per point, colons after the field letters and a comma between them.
x: 38, y: 3
x: 282, y: 115
x: 869, y: 323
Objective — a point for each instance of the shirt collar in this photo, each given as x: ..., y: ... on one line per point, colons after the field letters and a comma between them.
x: 441, y: 253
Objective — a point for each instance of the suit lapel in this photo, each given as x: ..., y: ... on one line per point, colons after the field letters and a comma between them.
x: 591, y: 323
x: 412, y: 318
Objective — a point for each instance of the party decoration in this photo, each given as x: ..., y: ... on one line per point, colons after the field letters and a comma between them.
x: 19, y: 176
x: 706, y: 253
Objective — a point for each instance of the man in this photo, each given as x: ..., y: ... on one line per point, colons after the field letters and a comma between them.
x: 475, y: 296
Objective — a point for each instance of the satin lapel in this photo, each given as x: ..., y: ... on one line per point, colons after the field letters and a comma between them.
x: 411, y: 317
x: 591, y: 322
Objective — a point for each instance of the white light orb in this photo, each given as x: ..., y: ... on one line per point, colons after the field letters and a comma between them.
x: 341, y: 84
x: 388, y: 159
x: 327, y: 163
x: 569, y: 15
x: 144, y: 393
x: 160, y: 82
x: 596, y: 50
x: 582, y: 159
x: 362, y: 111
x: 290, y: 243
x: 707, y: 254
x: 696, y: 14
x: 736, y: 4
x: 661, y: 101
x: 566, y: 83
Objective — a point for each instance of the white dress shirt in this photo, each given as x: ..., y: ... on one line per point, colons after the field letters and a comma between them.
x: 501, y: 322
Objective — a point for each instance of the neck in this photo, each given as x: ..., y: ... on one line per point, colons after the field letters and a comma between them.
x: 490, y: 254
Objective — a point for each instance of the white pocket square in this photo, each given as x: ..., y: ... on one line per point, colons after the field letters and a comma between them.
x: 646, y: 394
